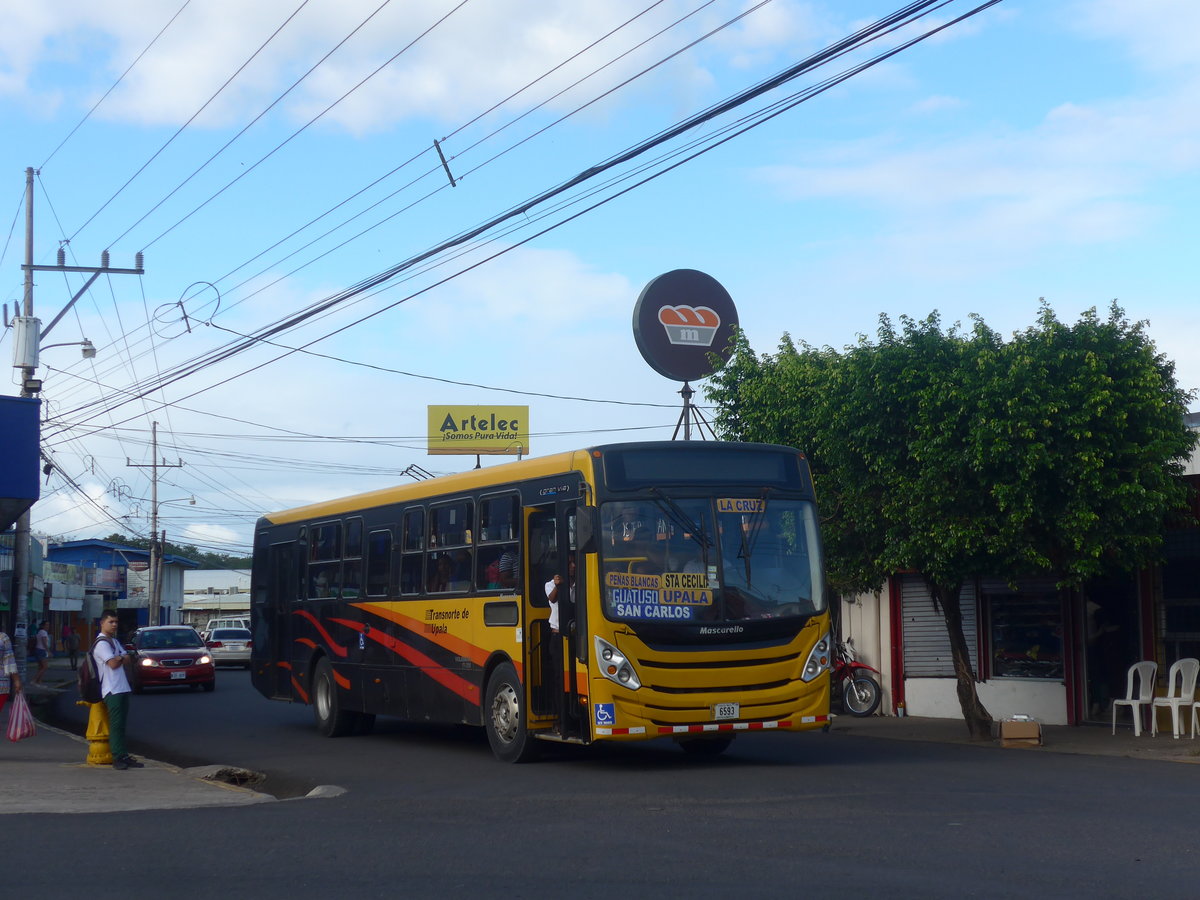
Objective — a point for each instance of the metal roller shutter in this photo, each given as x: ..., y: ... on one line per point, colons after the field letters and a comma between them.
x: 926, y: 644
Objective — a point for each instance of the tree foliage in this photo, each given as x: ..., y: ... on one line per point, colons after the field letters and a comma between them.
x: 958, y: 454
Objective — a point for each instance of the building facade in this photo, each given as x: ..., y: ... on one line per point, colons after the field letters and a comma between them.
x: 1058, y: 655
x: 114, y: 576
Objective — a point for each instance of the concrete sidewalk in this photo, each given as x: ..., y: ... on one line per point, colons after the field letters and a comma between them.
x: 48, y: 773
x: 1088, y: 740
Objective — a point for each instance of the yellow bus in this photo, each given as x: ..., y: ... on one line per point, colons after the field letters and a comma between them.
x: 623, y: 592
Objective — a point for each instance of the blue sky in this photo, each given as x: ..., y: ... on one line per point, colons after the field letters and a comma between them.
x: 1034, y: 150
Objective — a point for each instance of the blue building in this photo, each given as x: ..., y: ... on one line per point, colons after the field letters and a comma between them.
x: 118, y: 577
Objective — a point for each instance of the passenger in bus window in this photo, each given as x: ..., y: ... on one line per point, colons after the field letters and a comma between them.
x: 460, y: 571
x: 439, y: 575
x: 510, y: 566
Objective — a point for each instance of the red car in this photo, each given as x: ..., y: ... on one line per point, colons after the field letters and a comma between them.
x: 169, y: 656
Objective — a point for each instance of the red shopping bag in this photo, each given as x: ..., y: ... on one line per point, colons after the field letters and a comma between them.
x: 20, y: 719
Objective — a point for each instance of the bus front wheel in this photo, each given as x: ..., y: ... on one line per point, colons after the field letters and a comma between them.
x: 331, y: 719
x: 705, y: 746
x: 504, y: 717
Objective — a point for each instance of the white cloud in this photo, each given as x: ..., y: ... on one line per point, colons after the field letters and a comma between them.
x: 204, y: 535
x: 1160, y: 35
x: 1085, y: 174
x: 68, y: 514
x: 476, y: 57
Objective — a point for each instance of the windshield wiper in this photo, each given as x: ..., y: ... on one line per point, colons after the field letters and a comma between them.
x: 681, y: 518
x: 746, y: 550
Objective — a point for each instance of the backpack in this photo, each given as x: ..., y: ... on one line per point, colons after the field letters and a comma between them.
x: 88, y: 679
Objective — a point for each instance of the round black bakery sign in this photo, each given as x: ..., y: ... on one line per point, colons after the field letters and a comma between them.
x: 682, y: 319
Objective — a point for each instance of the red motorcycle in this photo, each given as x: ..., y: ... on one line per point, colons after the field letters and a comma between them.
x: 859, y: 689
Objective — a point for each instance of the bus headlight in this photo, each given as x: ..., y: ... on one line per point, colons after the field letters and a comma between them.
x: 614, y: 666
x: 818, y: 659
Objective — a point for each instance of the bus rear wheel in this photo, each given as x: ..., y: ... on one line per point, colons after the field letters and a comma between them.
x: 331, y: 719
x: 504, y: 717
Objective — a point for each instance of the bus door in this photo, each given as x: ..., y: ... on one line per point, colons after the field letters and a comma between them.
x: 550, y: 655
x: 272, y: 624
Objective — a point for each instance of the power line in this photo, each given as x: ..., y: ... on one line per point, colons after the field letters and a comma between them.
x: 305, y: 126
x: 182, y: 127
x: 252, y: 122
x: 889, y: 23
x: 96, y: 105
x: 435, y: 168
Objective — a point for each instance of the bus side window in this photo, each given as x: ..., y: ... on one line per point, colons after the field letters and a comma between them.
x: 325, y: 561
x: 498, y: 555
x: 449, y: 560
x: 412, y: 551
x: 379, y: 562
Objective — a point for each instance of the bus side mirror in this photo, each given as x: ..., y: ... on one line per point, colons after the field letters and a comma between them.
x: 586, y: 527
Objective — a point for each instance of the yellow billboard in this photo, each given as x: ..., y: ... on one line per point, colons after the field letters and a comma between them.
x: 494, y: 430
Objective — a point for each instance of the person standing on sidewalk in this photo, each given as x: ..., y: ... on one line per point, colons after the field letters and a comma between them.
x: 41, y: 650
x: 71, y: 645
x: 114, y: 688
x: 10, y: 680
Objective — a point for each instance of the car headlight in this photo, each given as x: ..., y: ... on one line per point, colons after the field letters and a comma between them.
x: 818, y: 659
x: 614, y: 666
x: 204, y: 660
x: 147, y: 661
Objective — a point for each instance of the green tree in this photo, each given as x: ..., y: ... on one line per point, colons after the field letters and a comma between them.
x: 958, y: 454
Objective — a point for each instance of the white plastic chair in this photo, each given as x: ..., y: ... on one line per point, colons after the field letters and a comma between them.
x: 1144, y: 673
x: 1182, y: 675
x: 1195, y: 709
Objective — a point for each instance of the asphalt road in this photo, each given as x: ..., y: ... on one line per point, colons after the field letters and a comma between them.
x: 430, y: 813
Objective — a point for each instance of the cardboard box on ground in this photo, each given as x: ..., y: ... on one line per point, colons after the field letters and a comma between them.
x: 1020, y: 731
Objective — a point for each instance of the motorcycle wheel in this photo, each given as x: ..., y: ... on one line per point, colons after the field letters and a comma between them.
x: 861, y: 695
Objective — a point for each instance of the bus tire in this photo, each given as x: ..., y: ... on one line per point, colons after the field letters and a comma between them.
x: 504, y: 717
x: 706, y: 747
x: 331, y: 719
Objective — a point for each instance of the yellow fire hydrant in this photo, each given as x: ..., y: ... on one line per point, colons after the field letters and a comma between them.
x: 99, y: 753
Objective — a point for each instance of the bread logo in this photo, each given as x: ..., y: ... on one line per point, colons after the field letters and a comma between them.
x: 691, y: 326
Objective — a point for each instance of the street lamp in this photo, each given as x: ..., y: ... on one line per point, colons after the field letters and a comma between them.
x: 27, y: 346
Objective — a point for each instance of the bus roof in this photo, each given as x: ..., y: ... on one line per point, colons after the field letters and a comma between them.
x: 537, y: 467
x: 442, y: 484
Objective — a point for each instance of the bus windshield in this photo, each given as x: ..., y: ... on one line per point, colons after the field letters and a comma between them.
x: 711, y: 559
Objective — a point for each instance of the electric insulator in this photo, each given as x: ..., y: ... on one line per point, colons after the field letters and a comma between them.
x: 104, y: 259
x: 139, y: 260
x: 62, y: 256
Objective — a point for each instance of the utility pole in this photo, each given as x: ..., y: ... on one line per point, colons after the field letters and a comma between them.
x: 30, y: 385
x: 22, y: 587
x: 155, y: 547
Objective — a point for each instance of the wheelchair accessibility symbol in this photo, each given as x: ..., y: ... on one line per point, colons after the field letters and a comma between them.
x: 606, y: 713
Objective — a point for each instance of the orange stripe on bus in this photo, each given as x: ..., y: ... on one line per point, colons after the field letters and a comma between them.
x: 299, y: 690
x: 455, y: 645
x: 333, y: 645
x: 428, y: 665
x: 342, y: 681
x: 307, y: 642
